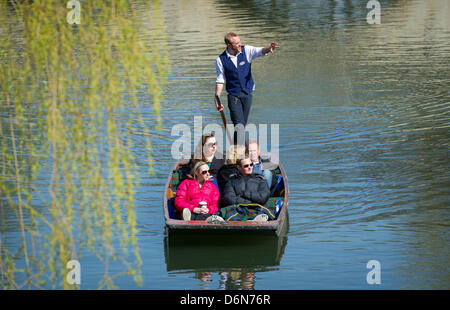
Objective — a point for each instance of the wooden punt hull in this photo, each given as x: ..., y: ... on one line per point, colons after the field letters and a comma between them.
x: 274, y: 227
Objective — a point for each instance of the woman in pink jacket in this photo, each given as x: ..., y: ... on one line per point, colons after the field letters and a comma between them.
x: 194, y: 192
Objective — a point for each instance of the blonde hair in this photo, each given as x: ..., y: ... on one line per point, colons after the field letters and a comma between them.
x: 196, y: 166
x: 234, y: 153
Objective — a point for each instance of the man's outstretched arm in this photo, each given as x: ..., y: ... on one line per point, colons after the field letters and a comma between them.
x: 271, y: 48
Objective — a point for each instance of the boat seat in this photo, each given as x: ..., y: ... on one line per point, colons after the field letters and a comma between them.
x: 277, y: 189
x: 173, y: 213
x: 178, y: 176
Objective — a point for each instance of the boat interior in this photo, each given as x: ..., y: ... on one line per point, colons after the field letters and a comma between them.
x: 180, y: 173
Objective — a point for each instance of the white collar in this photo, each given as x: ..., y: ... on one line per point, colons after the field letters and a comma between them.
x: 229, y: 55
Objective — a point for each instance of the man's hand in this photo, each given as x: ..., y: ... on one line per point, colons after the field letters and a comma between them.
x: 219, y: 105
x: 273, y: 46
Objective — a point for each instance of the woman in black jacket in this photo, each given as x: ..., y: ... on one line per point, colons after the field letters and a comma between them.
x: 229, y: 169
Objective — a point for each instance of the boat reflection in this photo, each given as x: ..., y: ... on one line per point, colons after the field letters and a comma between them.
x: 232, y: 253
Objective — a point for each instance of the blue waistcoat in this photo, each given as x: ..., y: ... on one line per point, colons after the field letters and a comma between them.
x: 240, y: 78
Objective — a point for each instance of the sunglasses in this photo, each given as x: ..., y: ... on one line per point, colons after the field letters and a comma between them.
x: 205, y: 172
x: 247, y: 165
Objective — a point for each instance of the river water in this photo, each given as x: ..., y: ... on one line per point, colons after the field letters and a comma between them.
x: 364, y: 127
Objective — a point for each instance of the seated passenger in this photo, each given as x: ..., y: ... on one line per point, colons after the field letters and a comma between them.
x: 229, y: 169
x: 206, y: 151
x: 195, y: 191
x: 261, y: 164
x: 245, y: 187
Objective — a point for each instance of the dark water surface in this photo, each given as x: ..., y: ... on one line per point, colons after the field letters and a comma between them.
x: 364, y: 118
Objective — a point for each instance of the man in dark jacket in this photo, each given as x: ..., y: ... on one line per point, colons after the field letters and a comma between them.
x: 245, y: 187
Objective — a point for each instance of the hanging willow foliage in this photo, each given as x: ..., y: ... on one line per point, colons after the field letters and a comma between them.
x: 69, y: 93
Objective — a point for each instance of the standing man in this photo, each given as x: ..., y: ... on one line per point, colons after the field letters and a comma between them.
x: 233, y: 68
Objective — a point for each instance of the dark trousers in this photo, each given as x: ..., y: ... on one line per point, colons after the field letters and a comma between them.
x: 239, y: 110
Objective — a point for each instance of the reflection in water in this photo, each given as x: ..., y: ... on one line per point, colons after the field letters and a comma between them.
x: 234, y: 258
x: 236, y: 280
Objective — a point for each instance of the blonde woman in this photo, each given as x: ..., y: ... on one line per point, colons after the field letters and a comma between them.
x: 196, y: 196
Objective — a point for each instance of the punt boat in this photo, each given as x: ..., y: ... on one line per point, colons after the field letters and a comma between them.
x: 278, y: 202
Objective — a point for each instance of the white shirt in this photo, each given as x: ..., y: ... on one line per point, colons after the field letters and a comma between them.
x: 251, y: 53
